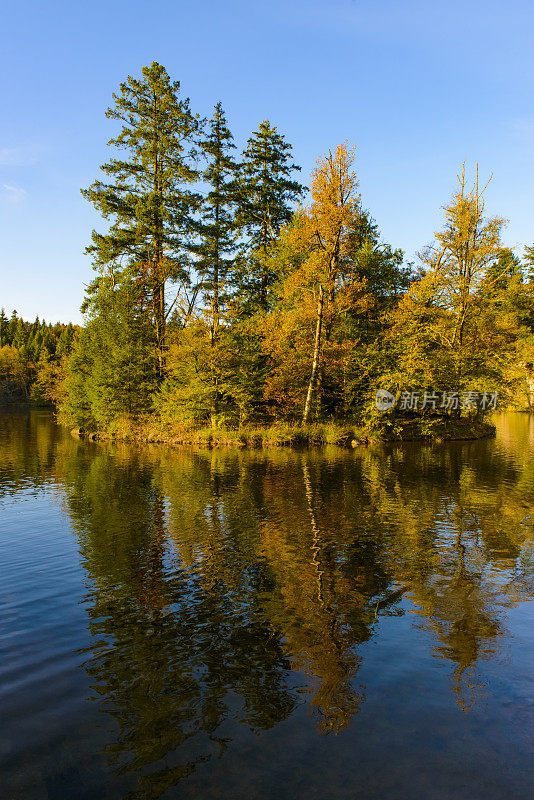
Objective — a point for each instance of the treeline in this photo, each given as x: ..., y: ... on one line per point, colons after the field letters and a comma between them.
x: 33, y: 358
x: 228, y: 293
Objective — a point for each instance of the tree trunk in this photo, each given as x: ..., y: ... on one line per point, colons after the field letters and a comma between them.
x: 158, y: 296
x: 158, y: 266
x: 264, y: 279
x: 316, y: 353
x: 215, y: 314
x: 319, y: 390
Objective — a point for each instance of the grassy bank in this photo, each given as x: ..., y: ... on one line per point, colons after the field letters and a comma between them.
x: 286, y: 435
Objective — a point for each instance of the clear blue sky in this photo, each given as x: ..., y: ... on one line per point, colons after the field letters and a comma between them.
x: 417, y: 85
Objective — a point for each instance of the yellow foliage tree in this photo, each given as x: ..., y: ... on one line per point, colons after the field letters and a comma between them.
x: 320, y: 234
x: 446, y: 330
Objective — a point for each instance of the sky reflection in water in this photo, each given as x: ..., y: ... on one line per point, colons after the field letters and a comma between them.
x: 326, y: 623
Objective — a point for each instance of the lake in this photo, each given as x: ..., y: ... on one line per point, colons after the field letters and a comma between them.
x: 318, y: 624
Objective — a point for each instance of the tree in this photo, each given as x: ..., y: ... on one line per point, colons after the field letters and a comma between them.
x: 379, y: 279
x: 110, y: 374
x: 446, y: 332
x: 147, y: 195
x: 3, y: 327
x: 337, y: 280
x: 266, y: 194
x: 460, y: 260
x: 196, y: 374
x: 502, y: 272
x: 323, y: 231
x: 371, y: 279
x: 333, y: 213
x: 218, y: 227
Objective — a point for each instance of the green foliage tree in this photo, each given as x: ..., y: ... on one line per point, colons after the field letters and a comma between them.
x: 148, y: 194
x: 216, y: 248
x: 3, y: 327
x: 111, y: 373
x: 267, y: 192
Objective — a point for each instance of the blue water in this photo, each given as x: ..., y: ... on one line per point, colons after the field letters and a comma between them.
x: 223, y: 624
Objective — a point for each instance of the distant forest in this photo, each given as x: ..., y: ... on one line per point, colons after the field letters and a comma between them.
x: 33, y: 358
x: 228, y: 293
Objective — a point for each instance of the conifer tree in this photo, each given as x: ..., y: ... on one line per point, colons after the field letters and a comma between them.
x: 111, y: 371
x: 12, y: 327
x: 266, y: 194
x: 3, y: 327
x: 65, y: 340
x: 19, y: 337
x: 218, y: 227
x: 147, y: 194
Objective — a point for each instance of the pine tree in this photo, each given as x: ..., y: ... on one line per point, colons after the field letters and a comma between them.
x: 148, y: 196
x: 3, y: 328
x: 19, y: 336
x: 111, y: 372
x: 65, y: 340
x: 218, y: 226
x: 266, y: 194
x: 198, y: 373
x: 12, y: 327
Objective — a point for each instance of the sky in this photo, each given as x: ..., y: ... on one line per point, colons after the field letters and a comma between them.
x: 418, y: 86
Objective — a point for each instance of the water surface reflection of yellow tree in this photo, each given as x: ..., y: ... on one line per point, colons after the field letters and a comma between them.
x: 229, y: 587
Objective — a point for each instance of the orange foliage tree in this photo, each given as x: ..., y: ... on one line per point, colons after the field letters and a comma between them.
x: 319, y: 285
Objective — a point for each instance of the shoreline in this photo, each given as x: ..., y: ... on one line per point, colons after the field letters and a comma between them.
x: 318, y: 435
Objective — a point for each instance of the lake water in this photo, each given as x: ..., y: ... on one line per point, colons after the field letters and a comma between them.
x: 249, y: 625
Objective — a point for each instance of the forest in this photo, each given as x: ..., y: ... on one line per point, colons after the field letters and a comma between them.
x: 33, y: 359
x: 227, y: 293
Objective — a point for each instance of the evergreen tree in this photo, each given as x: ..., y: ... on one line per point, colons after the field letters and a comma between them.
x: 19, y: 337
x: 198, y: 373
x: 111, y: 374
x: 148, y: 196
x: 12, y: 327
x: 65, y: 340
x: 3, y: 328
x: 266, y: 194
x: 218, y: 227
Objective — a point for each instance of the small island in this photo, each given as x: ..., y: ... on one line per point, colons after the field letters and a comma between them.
x: 234, y: 305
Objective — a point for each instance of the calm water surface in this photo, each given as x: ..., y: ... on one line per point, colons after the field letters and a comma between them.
x: 253, y: 625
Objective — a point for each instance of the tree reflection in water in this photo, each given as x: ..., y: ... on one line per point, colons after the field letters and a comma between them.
x: 231, y: 588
